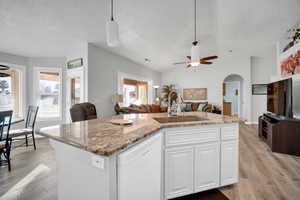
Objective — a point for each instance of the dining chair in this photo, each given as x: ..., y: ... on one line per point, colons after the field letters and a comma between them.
x: 5, y: 140
x: 29, y: 127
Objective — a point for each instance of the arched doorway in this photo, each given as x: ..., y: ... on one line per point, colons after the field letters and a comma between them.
x: 233, y: 95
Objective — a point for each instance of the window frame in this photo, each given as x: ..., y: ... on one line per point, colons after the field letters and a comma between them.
x: 36, y: 88
x: 22, y: 86
x: 122, y: 76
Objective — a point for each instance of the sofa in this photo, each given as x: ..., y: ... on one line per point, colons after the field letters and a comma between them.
x: 144, y: 108
x: 198, y: 106
x: 154, y: 108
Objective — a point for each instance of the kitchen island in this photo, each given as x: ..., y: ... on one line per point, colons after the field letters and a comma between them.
x: 154, y: 158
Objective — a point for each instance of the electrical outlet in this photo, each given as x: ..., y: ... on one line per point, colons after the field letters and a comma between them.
x: 98, y: 162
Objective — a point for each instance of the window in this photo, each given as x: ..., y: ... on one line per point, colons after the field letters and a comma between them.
x: 48, y: 95
x: 10, y: 92
x: 75, y: 90
x: 135, y: 92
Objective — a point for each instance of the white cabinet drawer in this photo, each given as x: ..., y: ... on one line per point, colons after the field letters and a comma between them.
x: 192, y: 136
x: 230, y: 132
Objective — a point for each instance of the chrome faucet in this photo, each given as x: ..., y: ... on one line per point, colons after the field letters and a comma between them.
x: 169, y: 98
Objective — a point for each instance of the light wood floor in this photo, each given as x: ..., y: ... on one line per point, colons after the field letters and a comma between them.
x: 263, y: 174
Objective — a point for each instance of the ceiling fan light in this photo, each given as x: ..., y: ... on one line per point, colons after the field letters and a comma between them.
x: 195, y: 54
x: 194, y: 64
x: 112, y: 33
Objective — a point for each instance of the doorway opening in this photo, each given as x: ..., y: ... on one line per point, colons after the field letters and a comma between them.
x: 232, y: 95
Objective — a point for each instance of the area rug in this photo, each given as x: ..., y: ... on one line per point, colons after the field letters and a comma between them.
x: 207, y: 195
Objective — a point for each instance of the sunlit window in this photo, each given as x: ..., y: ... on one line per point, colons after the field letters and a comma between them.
x: 135, y: 92
x: 49, y: 94
x: 10, y: 92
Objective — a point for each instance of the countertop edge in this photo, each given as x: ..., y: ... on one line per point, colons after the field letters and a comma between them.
x: 134, y: 142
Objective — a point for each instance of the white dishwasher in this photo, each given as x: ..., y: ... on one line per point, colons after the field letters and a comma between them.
x: 139, y: 171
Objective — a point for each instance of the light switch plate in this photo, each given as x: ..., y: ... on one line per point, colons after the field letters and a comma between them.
x: 98, y: 162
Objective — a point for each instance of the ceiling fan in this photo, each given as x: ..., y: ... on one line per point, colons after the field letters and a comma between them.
x: 203, y: 61
x: 194, y: 59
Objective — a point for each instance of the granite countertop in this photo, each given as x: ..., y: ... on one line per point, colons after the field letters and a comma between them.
x: 101, y: 137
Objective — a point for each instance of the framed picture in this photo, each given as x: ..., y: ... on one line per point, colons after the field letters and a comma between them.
x: 290, y: 61
x: 195, y: 94
x: 75, y: 63
x: 259, y: 89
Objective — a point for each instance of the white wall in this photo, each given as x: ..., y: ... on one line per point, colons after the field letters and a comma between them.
x: 103, y: 68
x: 13, y: 59
x: 212, y: 77
x: 262, y: 69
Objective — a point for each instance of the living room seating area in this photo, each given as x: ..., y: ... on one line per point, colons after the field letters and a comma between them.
x: 185, y: 107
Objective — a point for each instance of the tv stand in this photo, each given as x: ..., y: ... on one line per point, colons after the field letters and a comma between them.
x: 281, y: 134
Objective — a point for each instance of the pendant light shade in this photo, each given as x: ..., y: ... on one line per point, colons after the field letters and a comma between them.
x: 112, y: 33
x: 195, y: 50
x: 112, y: 29
x: 195, y: 55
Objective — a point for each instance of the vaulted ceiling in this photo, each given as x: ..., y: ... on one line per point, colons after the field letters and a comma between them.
x: 160, y: 30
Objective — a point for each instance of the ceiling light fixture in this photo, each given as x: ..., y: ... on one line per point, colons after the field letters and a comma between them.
x: 195, y: 50
x: 112, y: 29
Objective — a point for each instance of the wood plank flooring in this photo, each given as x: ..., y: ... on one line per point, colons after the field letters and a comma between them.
x: 263, y: 175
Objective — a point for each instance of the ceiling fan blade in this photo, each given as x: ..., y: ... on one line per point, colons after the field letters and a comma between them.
x: 205, y: 63
x: 178, y: 63
x: 189, y: 57
x: 209, y: 58
x: 189, y: 65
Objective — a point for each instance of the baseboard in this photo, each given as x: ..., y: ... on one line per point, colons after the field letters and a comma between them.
x: 251, y: 123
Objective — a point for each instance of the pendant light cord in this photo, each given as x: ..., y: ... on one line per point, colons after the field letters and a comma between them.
x: 112, y: 10
x: 195, y: 21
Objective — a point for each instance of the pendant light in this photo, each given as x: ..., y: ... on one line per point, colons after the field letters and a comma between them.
x: 195, y: 50
x: 112, y: 30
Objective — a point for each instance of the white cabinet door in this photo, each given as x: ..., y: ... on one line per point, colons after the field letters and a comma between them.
x: 229, y: 162
x: 140, y: 171
x: 179, y: 167
x: 207, y: 166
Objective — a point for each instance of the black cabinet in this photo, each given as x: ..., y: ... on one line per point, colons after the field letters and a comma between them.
x: 281, y: 134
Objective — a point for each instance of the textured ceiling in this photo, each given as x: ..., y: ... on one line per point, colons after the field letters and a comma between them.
x: 161, y: 30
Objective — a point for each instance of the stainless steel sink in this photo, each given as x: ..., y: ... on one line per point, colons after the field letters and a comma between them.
x: 179, y: 119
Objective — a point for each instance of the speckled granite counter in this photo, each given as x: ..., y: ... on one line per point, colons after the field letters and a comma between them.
x: 103, y: 138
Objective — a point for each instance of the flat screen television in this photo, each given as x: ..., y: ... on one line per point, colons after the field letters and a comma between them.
x: 280, y: 98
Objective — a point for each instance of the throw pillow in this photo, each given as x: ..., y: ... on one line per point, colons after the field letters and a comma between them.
x: 188, y: 107
x: 143, y: 108
x: 195, y: 106
x: 201, y: 106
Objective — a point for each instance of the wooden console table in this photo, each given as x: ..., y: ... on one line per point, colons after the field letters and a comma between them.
x: 282, y: 135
